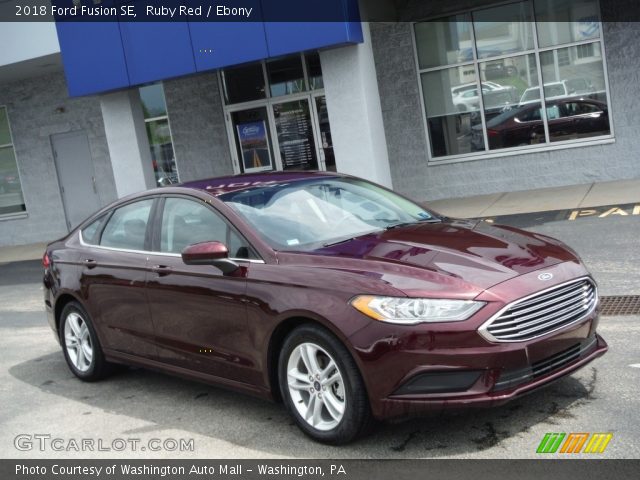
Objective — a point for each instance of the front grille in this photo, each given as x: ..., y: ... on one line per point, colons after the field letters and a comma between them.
x: 543, y: 312
x: 546, y: 366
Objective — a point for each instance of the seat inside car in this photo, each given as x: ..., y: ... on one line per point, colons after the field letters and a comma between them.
x: 134, y: 232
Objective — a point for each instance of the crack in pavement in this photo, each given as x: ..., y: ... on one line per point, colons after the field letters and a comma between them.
x: 402, y: 446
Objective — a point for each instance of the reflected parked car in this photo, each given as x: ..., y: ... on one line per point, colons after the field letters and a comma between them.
x: 554, y: 90
x: 339, y: 297
x: 465, y: 98
x: 523, y: 125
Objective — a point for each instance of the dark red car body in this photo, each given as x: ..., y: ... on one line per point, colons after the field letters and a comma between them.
x: 155, y: 311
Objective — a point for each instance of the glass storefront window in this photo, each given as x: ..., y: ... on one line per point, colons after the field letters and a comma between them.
x: 314, y: 71
x: 11, y: 198
x: 566, y: 21
x: 453, y: 111
x: 159, y: 134
x: 507, y: 106
x: 445, y: 42
x: 484, y: 77
x: 243, y: 83
x: 153, y: 103
x: 285, y: 76
x: 578, y: 92
x: 503, y: 30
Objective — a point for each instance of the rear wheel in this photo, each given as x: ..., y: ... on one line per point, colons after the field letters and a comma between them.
x: 80, y: 344
x: 322, y: 387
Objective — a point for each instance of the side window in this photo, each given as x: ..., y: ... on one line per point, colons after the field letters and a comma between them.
x: 90, y: 232
x: 553, y: 112
x: 530, y: 115
x: 127, y: 226
x: 185, y: 222
x: 581, y: 108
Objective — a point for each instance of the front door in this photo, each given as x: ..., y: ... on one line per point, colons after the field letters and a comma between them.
x: 199, y: 314
x: 75, y: 176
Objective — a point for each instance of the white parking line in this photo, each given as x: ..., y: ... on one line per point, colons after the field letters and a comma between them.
x: 635, y: 365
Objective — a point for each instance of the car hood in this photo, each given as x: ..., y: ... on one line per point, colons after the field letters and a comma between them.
x: 459, y: 252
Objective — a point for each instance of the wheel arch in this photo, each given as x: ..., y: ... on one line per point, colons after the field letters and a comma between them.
x: 280, y: 333
x: 62, y: 301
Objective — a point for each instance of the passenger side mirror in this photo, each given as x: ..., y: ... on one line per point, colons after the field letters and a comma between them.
x: 209, y: 253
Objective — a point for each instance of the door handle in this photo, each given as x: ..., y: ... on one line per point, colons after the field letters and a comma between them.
x: 161, y: 270
x: 90, y: 263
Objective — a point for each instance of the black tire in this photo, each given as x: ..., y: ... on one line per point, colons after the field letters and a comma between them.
x: 98, y: 367
x: 356, y: 418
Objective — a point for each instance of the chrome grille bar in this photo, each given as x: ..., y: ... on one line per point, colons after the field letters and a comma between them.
x: 542, y: 313
x: 553, y: 293
x: 554, y: 310
x: 571, y: 294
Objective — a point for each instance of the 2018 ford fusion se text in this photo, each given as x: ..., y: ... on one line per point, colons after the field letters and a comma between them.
x: 343, y: 299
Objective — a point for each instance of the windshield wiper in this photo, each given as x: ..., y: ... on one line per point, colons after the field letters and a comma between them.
x: 415, y: 222
x: 338, y: 242
x: 389, y: 227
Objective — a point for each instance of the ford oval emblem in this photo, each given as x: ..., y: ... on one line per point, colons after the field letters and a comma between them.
x: 545, y: 276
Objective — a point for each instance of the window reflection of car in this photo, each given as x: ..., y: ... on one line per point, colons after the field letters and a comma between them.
x: 499, y: 70
x: 459, y: 89
x: 468, y: 100
x: 554, y: 90
x: 523, y: 125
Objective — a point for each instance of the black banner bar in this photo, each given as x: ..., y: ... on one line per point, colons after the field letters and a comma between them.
x: 595, y: 469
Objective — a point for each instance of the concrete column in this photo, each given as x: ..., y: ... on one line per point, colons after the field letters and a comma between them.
x: 127, y: 139
x: 355, y: 114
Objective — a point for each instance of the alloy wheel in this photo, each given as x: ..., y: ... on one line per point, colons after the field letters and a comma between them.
x: 316, y: 386
x: 78, y: 342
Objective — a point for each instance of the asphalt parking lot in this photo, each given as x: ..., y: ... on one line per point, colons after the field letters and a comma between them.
x: 39, y: 395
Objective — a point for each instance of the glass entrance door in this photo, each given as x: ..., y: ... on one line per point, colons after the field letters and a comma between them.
x: 294, y: 131
x: 324, y: 134
x: 276, y: 114
x: 286, y: 135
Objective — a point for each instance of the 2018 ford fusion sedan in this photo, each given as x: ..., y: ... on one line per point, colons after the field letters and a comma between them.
x: 344, y: 299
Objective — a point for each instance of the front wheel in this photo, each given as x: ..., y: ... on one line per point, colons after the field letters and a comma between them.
x: 322, y: 387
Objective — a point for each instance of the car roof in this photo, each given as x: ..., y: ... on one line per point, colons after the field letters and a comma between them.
x: 232, y: 183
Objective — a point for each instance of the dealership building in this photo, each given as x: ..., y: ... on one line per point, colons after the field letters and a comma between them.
x: 434, y: 99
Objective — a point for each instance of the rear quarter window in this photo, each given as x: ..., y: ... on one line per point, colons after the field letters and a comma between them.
x: 90, y: 233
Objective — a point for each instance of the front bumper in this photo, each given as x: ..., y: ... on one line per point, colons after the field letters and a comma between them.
x: 410, y: 370
x: 407, y: 406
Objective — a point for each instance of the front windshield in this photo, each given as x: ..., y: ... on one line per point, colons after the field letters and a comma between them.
x: 308, y: 214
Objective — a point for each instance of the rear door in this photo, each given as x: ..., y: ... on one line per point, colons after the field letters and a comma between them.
x: 198, y: 313
x: 114, y: 270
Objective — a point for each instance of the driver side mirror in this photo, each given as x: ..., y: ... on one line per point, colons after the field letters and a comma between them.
x: 209, y: 253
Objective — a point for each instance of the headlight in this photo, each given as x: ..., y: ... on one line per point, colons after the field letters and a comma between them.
x: 409, y: 311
